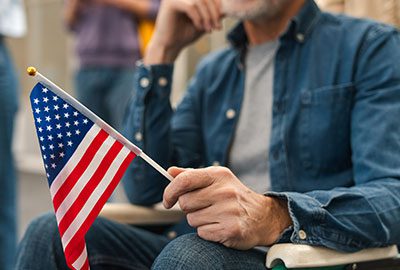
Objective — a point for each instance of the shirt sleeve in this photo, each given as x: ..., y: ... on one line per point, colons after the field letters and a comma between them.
x: 367, y: 214
x: 167, y: 136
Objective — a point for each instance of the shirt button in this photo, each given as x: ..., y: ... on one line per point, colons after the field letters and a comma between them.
x: 162, y: 81
x: 230, y: 114
x: 216, y: 163
x: 302, y: 235
x: 144, y: 82
x: 172, y: 234
x: 138, y: 136
x: 300, y: 37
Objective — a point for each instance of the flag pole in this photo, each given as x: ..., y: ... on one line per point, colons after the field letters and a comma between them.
x: 97, y: 120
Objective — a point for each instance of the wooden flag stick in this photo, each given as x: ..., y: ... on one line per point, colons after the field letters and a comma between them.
x: 97, y: 120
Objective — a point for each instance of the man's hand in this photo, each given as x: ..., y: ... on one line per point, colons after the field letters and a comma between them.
x: 179, y: 23
x: 224, y: 210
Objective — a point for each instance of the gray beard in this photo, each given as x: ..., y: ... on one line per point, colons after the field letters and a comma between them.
x: 260, y: 8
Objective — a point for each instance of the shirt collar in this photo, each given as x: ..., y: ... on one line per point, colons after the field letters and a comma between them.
x: 299, y: 28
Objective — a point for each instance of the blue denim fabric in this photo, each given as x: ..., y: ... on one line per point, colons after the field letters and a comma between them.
x: 113, y: 245
x: 8, y: 209
x: 335, y: 139
x: 106, y: 91
x: 191, y: 252
x: 110, y: 245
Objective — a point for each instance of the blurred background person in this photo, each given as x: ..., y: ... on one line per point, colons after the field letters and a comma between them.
x: 108, y: 44
x: 12, y: 24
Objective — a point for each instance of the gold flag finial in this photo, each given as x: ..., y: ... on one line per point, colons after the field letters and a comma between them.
x: 31, y: 71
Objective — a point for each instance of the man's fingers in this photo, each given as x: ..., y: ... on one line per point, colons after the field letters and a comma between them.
x: 210, y: 232
x: 196, y: 200
x: 185, y: 182
x: 215, y: 12
x: 206, y: 16
x: 175, y: 171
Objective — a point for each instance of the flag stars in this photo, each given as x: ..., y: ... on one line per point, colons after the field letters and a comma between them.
x: 45, y: 90
x: 52, y: 156
x: 39, y: 120
x: 58, y: 126
x: 50, y: 138
x: 77, y: 132
x: 40, y: 129
x: 41, y: 138
x: 53, y: 165
x: 62, y: 154
x: 44, y: 157
x: 59, y: 135
x: 45, y: 99
x: 65, y: 106
x: 57, y: 116
x: 48, y: 118
x: 45, y: 165
x: 36, y: 101
x: 43, y: 147
x: 69, y: 134
x: 56, y: 107
x: 76, y: 123
x: 85, y: 121
x: 46, y: 109
x: 48, y: 175
x: 66, y: 115
x: 49, y: 128
x: 60, y: 145
x: 75, y: 113
x: 55, y: 98
x: 51, y: 147
x: 69, y: 143
x: 37, y: 110
x: 67, y: 124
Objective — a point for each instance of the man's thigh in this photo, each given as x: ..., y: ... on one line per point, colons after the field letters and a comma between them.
x: 110, y: 245
x: 191, y: 252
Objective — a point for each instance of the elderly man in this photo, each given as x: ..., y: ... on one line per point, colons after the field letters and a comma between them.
x: 310, y: 136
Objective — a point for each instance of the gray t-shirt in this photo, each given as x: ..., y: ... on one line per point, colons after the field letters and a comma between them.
x: 248, y: 157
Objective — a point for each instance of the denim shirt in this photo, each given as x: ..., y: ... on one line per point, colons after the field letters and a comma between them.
x: 335, y: 138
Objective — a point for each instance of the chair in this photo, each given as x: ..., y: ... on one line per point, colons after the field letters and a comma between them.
x: 280, y: 256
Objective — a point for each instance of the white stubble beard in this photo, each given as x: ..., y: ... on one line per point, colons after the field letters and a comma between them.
x: 258, y: 8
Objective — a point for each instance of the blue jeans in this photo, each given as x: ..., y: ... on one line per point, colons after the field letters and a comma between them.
x: 116, y: 246
x: 105, y: 91
x: 8, y: 210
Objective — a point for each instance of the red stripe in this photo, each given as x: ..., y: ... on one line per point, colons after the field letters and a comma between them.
x: 90, y: 186
x: 79, y: 245
x: 80, y: 234
x: 79, y: 169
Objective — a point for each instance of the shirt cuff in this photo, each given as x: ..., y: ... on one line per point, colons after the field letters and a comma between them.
x: 156, y: 79
x: 306, y: 214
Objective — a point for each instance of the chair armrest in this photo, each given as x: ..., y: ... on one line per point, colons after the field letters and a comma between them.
x: 297, y: 256
x: 140, y: 215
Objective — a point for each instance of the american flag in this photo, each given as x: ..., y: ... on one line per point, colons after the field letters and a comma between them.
x: 83, y: 165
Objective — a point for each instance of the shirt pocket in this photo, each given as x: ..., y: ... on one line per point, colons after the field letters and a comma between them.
x: 325, y: 129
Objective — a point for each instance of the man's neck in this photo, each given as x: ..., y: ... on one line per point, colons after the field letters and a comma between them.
x: 263, y: 29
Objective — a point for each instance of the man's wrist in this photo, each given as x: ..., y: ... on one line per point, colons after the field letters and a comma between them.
x: 278, y: 219
x: 158, y: 55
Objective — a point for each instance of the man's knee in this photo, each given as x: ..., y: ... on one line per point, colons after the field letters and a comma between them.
x: 42, y: 231
x: 190, y: 252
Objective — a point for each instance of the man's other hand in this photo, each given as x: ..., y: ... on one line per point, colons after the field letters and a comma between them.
x: 179, y: 23
x: 224, y: 210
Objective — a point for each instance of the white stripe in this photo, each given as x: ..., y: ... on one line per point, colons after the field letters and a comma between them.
x: 75, y: 158
x: 94, y: 197
x: 84, y: 179
x: 78, y: 264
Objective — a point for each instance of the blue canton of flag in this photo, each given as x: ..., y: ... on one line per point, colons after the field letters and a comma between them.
x: 60, y: 129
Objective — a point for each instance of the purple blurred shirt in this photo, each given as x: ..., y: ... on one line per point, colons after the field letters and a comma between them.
x: 107, y: 36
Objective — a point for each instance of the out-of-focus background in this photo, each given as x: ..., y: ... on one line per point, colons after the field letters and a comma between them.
x: 48, y: 46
